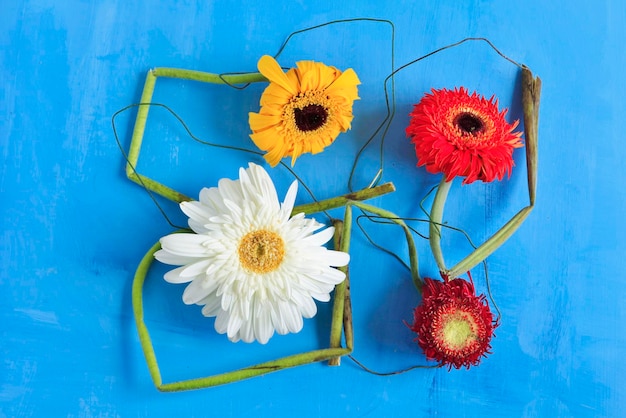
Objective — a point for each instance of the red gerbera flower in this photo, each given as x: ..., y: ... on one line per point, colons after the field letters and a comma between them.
x: 461, y: 135
x: 454, y: 326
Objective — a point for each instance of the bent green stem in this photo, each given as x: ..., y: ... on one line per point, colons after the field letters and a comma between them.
x: 342, y: 243
x: 207, y: 77
x: 488, y: 247
x: 413, y: 259
x: 142, y: 330
x: 531, y: 92
x: 340, y: 201
x: 435, y: 222
x: 142, y: 117
x: 219, y: 379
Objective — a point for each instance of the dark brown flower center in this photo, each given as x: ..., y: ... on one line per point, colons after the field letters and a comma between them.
x: 310, y: 117
x: 469, y: 124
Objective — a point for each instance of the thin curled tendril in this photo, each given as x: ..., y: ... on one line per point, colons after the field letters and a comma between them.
x: 391, y: 107
x: 387, y: 221
x: 195, y: 138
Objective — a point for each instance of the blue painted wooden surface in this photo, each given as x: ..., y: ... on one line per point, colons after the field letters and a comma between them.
x: 74, y: 228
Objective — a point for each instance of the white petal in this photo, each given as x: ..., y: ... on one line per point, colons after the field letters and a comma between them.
x: 197, y: 227
x: 263, y: 329
x: 221, y: 322
x: 290, y: 200
x: 234, y: 324
x: 166, y: 257
x: 189, y: 245
x: 195, y: 292
x: 211, y: 305
x: 278, y: 321
x: 293, y: 319
x: 174, y: 276
x: 229, y: 300
x: 305, y: 303
x: 322, y: 297
x: 197, y: 211
x: 246, y: 332
x: 230, y: 189
x: 234, y: 208
x: 262, y: 182
x: 336, y: 258
x: 321, y: 237
x: 330, y: 275
x: 201, y: 267
x: 211, y: 198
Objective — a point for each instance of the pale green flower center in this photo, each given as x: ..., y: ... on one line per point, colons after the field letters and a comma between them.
x: 458, y: 331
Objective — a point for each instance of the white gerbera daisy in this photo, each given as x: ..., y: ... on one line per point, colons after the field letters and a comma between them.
x: 252, y: 266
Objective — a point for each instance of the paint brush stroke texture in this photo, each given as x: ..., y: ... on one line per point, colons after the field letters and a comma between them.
x: 74, y: 229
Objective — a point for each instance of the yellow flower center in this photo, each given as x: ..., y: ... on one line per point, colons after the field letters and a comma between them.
x: 261, y: 251
x: 458, y: 331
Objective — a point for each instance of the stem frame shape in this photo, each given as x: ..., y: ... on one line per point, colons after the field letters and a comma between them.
x: 222, y: 378
x: 341, y: 319
x: 142, y: 118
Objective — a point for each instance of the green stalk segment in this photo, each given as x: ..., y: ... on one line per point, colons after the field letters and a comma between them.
x: 343, y: 239
x: 531, y: 91
x: 340, y: 201
x: 436, y: 220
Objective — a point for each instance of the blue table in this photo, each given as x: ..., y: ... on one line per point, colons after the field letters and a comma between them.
x: 74, y: 228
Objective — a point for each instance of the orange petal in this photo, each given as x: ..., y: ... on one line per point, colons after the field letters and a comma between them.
x: 275, y: 94
x: 327, y: 75
x: 274, y: 156
x: 308, y: 72
x: 260, y: 122
x: 264, y: 139
x: 348, y: 80
x: 272, y: 71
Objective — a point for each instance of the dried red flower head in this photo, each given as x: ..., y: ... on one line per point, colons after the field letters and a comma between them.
x: 454, y: 326
x: 461, y: 135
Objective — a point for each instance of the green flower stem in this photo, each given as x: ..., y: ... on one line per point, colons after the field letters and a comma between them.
x: 142, y: 117
x: 220, y: 379
x: 435, y: 222
x: 488, y: 247
x: 340, y: 201
x: 531, y: 92
x: 208, y: 77
x: 257, y: 370
x: 348, y: 330
x: 137, y: 299
x: 342, y: 243
x: 413, y: 261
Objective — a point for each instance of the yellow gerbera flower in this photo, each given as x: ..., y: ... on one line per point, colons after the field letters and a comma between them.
x: 303, y: 110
